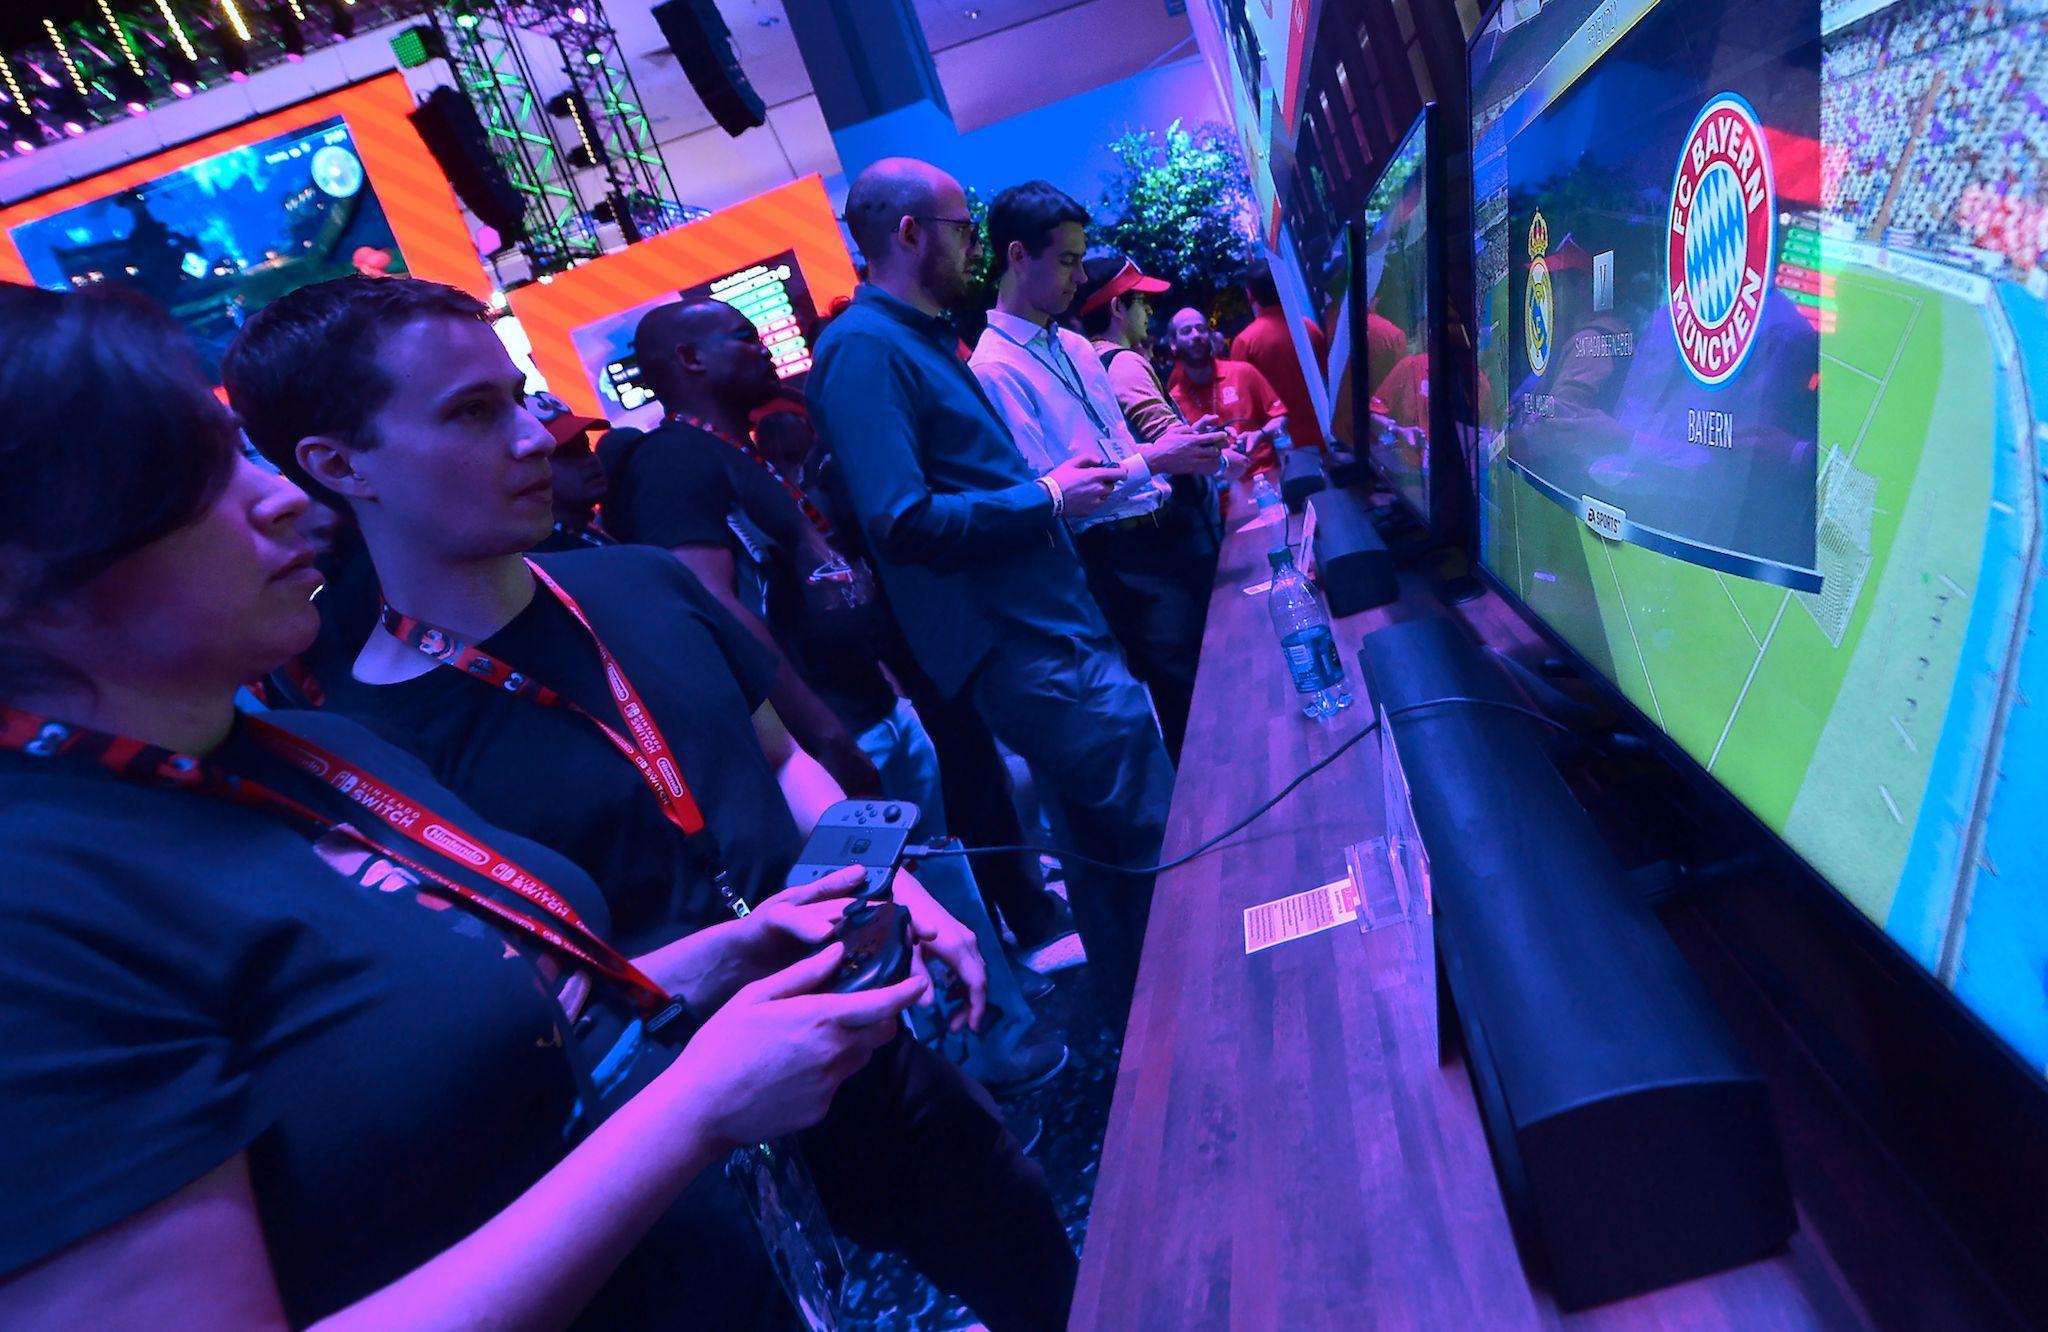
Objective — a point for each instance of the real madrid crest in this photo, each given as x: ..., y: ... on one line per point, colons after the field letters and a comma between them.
x: 1539, y: 308
x: 1719, y: 238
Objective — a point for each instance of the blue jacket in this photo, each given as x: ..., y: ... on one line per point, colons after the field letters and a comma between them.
x: 960, y: 530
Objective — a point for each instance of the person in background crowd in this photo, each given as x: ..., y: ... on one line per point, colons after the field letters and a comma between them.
x: 729, y: 515
x: 651, y: 481
x: 1385, y: 345
x: 266, y: 1058
x: 1206, y: 385
x: 578, y: 477
x: 1267, y: 346
x: 1114, y: 306
x: 980, y: 569
x: 783, y: 435
x: 518, y: 682
x: 1147, y: 558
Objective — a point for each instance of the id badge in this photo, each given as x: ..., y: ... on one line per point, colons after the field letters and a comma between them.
x: 784, y: 1202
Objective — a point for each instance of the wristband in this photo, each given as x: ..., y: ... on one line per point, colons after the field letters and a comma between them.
x: 1052, y: 489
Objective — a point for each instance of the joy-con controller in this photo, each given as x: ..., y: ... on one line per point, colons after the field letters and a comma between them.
x: 868, y: 833
x: 878, y: 947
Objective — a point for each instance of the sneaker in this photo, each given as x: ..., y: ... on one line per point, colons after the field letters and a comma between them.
x: 1025, y: 1127
x: 1033, y: 985
x: 1035, y: 1062
x: 1057, y: 923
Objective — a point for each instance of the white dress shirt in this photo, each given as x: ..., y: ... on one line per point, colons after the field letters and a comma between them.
x: 1050, y: 386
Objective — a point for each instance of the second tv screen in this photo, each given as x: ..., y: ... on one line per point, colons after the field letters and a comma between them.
x: 1765, y: 447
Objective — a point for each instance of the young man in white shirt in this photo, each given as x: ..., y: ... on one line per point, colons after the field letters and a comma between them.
x: 1145, y: 555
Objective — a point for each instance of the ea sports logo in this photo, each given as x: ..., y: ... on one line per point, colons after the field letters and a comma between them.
x: 1718, y: 243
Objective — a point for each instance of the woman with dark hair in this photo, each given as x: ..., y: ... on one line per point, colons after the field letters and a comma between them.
x: 287, y: 1033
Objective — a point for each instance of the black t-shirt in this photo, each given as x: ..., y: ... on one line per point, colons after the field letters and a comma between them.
x: 182, y: 979
x: 554, y: 777
x: 686, y: 487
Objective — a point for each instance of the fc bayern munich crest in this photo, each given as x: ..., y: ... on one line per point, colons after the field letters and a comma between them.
x: 1719, y: 238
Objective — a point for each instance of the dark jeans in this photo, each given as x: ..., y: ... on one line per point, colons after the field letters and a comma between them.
x: 914, y: 1158
x: 979, y: 808
x: 1152, y: 580
x: 1075, y: 714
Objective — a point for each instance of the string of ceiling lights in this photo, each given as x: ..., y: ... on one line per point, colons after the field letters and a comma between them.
x: 81, y: 63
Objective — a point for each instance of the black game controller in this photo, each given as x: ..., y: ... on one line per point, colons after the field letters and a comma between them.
x: 878, y: 946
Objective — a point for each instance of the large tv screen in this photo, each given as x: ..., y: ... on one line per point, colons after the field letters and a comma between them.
x: 772, y: 293
x: 217, y: 240
x: 1396, y: 321
x: 217, y: 228
x: 1765, y: 355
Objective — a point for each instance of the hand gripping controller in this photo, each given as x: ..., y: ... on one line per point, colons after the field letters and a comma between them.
x: 878, y: 946
x: 875, y: 931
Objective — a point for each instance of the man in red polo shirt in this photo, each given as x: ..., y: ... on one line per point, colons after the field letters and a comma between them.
x: 1267, y: 345
x: 1236, y: 394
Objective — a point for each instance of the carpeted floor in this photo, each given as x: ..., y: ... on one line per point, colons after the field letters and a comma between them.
x: 885, y: 1293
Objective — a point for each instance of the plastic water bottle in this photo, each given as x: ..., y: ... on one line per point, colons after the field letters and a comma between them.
x: 1306, y: 640
x: 1271, y: 512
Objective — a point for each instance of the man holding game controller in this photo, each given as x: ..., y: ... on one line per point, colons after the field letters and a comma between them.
x: 602, y: 703
x: 980, y: 568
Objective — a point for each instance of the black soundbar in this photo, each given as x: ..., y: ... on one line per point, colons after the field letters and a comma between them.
x: 1633, y: 1139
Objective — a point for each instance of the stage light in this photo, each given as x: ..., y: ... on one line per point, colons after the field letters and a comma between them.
x: 341, y: 17
x: 232, y: 45
x: 235, y: 19
x: 120, y: 32
x: 16, y: 98
x: 178, y: 34
x: 589, y: 149
x: 64, y: 55
x: 291, y: 31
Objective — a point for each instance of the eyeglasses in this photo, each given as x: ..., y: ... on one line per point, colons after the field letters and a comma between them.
x: 966, y: 225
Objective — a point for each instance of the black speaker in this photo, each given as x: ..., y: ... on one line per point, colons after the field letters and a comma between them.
x: 448, y: 125
x: 1633, y: 1139
x: 1301, y: 475
x: 1353, y: 565
x: 696, y: 32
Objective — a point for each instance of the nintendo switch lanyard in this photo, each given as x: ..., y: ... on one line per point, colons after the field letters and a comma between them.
x: 796, y: 492
x: 553, y: 921
x: 648, y: 748
x: 1062, y: 368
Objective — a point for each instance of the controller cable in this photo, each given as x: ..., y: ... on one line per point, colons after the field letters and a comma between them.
x: 918, y: 852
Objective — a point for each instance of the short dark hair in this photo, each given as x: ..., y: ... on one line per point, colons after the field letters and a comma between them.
x: 1258, y: 282
x: 1029, y: 213
x: 306, y: 364
x: 113, y: 441
x: 878, y: 200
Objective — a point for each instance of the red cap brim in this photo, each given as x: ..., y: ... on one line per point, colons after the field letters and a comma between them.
x: 1127, y: 280
x: 566, y: 427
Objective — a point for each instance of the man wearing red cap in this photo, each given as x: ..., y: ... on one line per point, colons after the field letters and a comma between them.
x: 579, y: 478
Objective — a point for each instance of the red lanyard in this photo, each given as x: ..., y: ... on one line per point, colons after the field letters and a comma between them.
x: 648, y: 748
x: 796, y: 492
x: 553, y: 921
